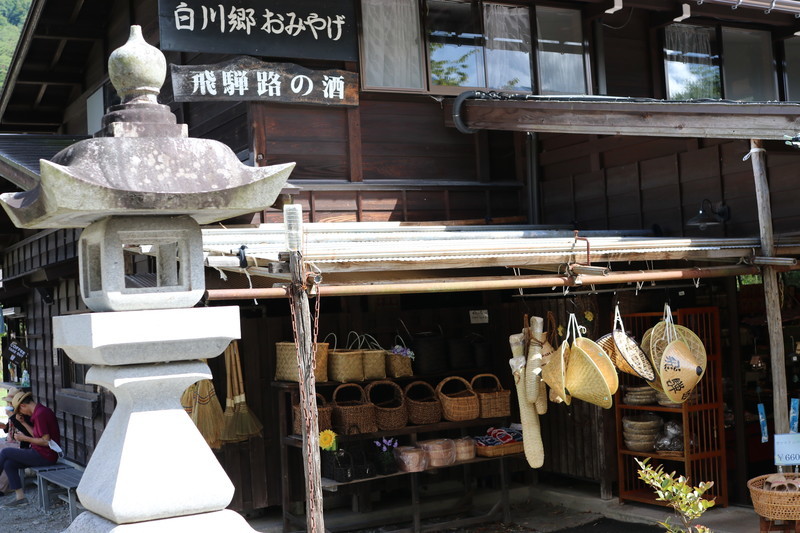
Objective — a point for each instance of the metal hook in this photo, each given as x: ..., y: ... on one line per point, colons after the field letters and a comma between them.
x: 737, y: 4
x: 696, y: 282
x: 565, y: 290
x: 639, y: 285
x: 771, y: 7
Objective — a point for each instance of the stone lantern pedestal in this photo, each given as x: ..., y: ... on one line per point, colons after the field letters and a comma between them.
x: 145, y: 186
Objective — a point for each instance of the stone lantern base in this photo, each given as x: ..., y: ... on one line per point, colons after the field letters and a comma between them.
x: 216, y: 522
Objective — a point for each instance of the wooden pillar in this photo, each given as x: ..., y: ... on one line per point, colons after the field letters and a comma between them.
x: 301, y: 316
x: 780, y: 403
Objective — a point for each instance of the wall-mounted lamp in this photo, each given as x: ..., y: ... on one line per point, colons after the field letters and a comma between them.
x: 708, y: 216
x: 46, y: 294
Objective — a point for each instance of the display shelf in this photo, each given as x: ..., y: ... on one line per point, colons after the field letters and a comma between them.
x: 501, y: 509
x: 701, y: 417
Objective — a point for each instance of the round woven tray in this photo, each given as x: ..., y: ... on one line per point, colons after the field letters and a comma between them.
x: 772, y: 504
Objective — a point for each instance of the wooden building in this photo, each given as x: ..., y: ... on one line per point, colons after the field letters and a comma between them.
x: 691, y: 85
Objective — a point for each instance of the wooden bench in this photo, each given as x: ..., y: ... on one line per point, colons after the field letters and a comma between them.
x: 35, y: 478
x: 61, y: 482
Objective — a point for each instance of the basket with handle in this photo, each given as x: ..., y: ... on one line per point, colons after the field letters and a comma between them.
x: 430, y: 351
x: 286, y: 362
x: 354, y: 415
x: 344, y: 366
x: 494, y: 400
x: 458, y: 405
x: 324, y: 412
x: 389, y: 402
x: 397, y: 364
x: 423, y: 403
x: 373, y: 357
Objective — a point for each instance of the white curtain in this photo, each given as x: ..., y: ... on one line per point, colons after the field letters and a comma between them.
x: 392, y: 44
x: 560, y: 51
x: 508, y: 46
x: 691, y: 72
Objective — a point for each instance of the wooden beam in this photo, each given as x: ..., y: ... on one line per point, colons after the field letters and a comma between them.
x: 657, y: 118
x: 780, y: 402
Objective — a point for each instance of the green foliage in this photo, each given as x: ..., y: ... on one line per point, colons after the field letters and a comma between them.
x: 453, y: 72
x: 12, y: 17
x: 687, y: 500
x: 706, y: 84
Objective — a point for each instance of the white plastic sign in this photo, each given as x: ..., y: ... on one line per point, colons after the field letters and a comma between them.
x: 787, y: 449
x: 479, y: 316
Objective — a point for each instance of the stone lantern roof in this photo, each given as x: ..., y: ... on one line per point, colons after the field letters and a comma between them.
x: 143, y: 163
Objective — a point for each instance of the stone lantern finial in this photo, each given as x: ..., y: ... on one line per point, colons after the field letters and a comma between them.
x: 137, y: 69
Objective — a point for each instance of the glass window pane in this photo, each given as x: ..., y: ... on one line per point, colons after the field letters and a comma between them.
x: 392, y: 44
x: 455, y: 44
x: 692, y: 62
x: 792, y: 47
x: 560, y: 51
x: 508, y: 47
x: 748, y: 69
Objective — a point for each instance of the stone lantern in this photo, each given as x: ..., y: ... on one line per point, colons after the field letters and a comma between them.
x: 144, y: 184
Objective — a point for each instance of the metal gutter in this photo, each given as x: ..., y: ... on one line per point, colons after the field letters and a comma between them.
x: 782, y: 6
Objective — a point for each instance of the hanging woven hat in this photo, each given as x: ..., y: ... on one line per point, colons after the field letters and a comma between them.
x: 695, y: 345
x: 628, y: 356
x: 591, y: 375
x: 554, y: 372
x: 679, y: 371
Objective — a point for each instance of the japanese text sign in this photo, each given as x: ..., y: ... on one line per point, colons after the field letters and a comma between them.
x: 311, y: 29
x: 246, y: 78
x: 787, y: 449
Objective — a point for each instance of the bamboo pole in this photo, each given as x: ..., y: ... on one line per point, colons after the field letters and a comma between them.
x: 496, y: 283
x: 308, y: 404
x: 780, y: 401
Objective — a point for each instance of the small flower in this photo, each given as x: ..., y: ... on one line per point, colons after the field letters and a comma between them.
x: 327, y: 440
x: 402, y: 350
x: 588, y: 315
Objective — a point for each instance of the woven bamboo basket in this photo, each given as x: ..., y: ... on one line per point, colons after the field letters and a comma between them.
x: 324, y: 413
x: 389, y: 402
x: 355, y: 415
x: 345, y: 366
x: 398, y: 366
x: 458, y: 405
x: 423, y: 403
x: 286, y: 362
x: 497, y: 451
x: 774, y: 504
x: 465, y: 449
x: 441, y: 452
x: 374, y: 362
x: 493, y: 401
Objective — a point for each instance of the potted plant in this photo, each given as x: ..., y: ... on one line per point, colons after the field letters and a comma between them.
x: 384, y: 455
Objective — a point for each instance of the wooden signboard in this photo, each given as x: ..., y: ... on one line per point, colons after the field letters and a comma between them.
x: 247, y: 78
x: 311, y: 29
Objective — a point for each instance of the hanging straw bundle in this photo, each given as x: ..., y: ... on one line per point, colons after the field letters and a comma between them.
x: 200, y: 402
x: 239, y: 422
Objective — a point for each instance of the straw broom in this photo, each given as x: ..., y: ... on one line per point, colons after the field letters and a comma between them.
x: 207, y: 413
x: 228, y: 433
x: 245, y: 422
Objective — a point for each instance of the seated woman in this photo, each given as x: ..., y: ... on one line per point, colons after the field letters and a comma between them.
x: 45, y: 429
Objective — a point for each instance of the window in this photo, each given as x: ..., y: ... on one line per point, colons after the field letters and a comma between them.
x: 792, y: 65
x: 469, y: 44
x: 694, y: 70
x: 560, y: 51
x: 749, y: 72
x: 692, y: 62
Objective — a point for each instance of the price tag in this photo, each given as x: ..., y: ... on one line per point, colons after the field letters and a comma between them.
x: 479, y: 316
x: 787, y: 449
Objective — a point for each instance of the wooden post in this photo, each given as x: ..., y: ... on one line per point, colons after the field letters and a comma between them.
x: 780, y: 402
x: 308, y: 402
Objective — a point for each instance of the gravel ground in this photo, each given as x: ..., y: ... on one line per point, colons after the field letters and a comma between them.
x: 30, y: 518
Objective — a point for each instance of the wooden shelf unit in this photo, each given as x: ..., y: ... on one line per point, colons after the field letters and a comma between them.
x: 701, y: 417
x: 289, y: 441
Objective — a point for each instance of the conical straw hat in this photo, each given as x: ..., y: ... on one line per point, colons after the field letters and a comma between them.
x: 695, y: 345
x: 591, y: 375
x: 679, y: 371
x: 606, y: 342
x: 633, y: 356
x: 554, y: 372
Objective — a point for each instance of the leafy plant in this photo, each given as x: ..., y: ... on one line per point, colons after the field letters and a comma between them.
x: 687, y: 500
